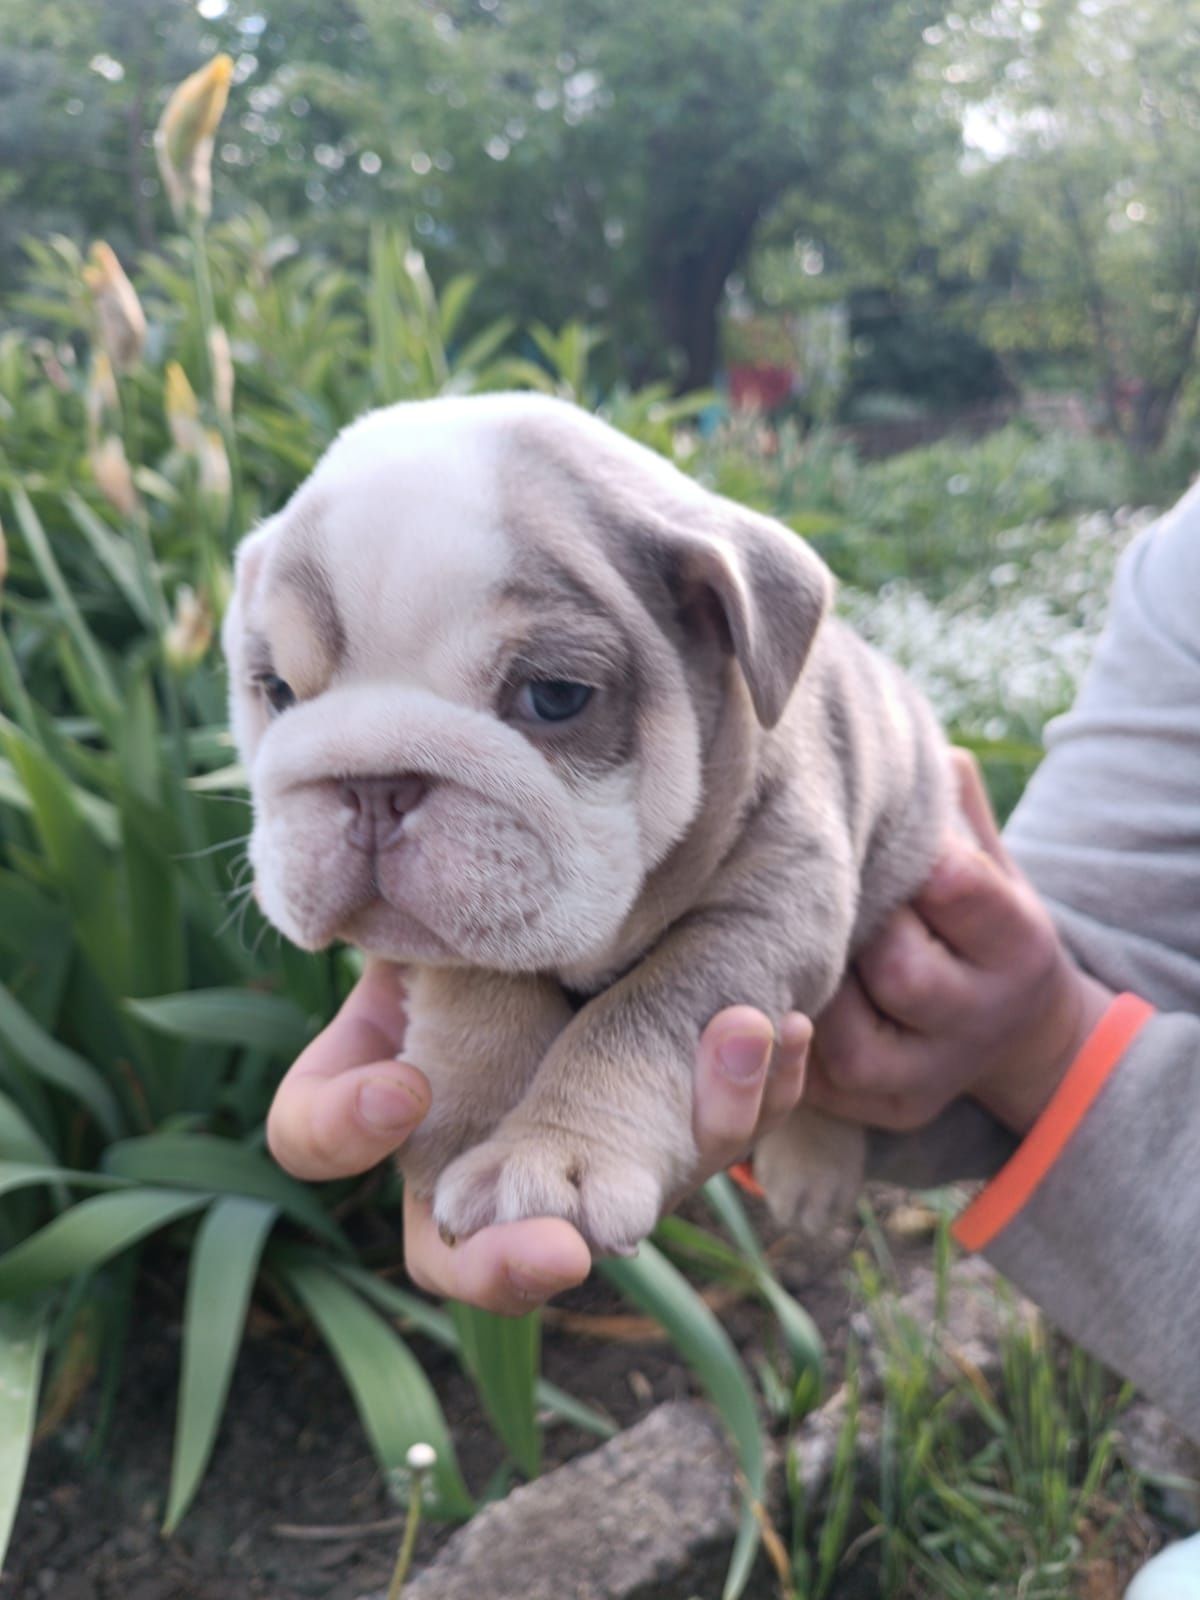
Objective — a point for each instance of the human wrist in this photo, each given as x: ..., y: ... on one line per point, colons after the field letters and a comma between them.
x: 1017, y: 1093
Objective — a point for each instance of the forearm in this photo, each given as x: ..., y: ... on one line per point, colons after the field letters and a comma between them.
x: 1105, y: 1240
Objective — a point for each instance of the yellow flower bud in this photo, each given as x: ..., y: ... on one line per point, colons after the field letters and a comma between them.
x: 103, y: 400
x: 221, y: 358
x: 114, y: 478
x: 118, y: 309
x: 189, y: 635
x: 183, y: 411
x: 216, y: 480
x: 183, y: 140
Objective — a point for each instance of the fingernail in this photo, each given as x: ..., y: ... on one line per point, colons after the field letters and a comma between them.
x: 532, y: 1284
x: 744, y: 1056
x: 387, y: 1106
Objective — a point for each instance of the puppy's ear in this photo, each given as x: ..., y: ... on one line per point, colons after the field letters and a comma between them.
x: 771, y: 588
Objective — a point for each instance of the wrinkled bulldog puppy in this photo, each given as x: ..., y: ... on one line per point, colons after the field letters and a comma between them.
x: 578, y: 742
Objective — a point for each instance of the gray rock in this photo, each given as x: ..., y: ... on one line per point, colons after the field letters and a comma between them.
x: 1158, y: 1452
x: 648, y: 1516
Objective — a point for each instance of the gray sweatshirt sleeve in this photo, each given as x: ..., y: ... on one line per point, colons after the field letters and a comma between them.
x: 1109, y: 831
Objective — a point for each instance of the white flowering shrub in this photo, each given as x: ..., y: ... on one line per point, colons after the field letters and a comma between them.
x: 1006, y: 650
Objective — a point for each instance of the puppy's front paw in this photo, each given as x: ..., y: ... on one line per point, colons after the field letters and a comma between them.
x: 612, y: 1198
x: 812, y: 1170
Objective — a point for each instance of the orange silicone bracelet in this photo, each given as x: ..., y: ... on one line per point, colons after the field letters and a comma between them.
x: 995, y: 1207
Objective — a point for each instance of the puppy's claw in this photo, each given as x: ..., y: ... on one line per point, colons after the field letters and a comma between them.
x: 448, y: 1238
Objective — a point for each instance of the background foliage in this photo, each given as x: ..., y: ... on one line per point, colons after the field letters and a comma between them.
x: 931, y: 207
x: 1000, y: 193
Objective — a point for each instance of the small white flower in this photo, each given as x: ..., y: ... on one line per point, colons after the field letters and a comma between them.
x: 421, y: 1457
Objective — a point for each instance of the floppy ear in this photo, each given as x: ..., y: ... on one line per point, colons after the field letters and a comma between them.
x: 771, y: 588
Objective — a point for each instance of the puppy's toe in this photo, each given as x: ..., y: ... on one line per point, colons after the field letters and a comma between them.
x: 613, y: 1202
x: 464, y: 1199
x: 811, y: 1170
x: 621, y: 1204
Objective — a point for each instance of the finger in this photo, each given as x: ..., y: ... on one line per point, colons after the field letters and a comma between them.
x: 370, y: 1025
x: 900, y: 1112
x: 976, y: 806
x: 324, y: 1128
x: 347, y: 1103
x: 731, y: 1074
x: 859, y: 1053
x: 511, y: 1268
x: 912, y: 977
x: 986, y: 915
x: 785, y: 1080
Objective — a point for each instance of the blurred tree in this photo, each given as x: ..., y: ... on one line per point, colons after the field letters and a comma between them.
x: 1084, y: 224
x: 597, y: 157
x: 625, y: 156
x: 616, y: 162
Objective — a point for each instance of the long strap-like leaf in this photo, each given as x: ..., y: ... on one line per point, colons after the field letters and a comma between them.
x: 54, y: 1063
x: 22, y: 1345
x: 395, y: 1401
x: 224, y: 1263
x: 653, y: 1284
x: 502, y: 1355
x: 89, y: 1234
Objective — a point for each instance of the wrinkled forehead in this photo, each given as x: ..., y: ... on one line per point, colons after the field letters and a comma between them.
x: 428, y: 545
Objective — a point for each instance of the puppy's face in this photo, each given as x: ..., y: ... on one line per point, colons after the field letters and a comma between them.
x: 473, y: 664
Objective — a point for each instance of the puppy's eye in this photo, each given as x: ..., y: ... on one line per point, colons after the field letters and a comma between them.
x: 280, y: 695
x: 552, y: 699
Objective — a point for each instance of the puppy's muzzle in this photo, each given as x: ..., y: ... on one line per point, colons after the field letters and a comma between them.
x: 377, y: 808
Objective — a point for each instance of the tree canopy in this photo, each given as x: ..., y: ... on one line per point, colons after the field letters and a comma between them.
x: 1021, y: 174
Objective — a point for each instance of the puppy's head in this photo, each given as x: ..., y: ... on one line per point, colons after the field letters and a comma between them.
x: 474, y: 666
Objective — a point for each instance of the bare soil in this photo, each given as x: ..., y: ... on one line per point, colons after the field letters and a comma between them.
x: 293, y: 1502
x: 291, y: 1459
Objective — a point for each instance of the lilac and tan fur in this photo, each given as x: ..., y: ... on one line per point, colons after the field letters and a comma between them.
x: 745, y: 794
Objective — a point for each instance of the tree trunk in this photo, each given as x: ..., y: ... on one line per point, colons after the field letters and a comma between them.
x: 688, y: 288
x: 1097, y: 310
x: 1154, y: 409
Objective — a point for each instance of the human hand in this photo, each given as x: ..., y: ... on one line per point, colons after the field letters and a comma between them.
x: 347, y: 1103
x: 967, y: 990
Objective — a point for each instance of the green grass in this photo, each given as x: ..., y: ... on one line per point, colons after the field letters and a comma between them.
x: 978, y: 1487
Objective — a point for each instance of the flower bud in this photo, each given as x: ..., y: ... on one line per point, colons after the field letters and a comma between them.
x: 118, y: 310
x: 186, y: 641
x: 183, y: 411
x: 221, y: 359
x: 102, y: 399
x: 114, y: 478
x: 183, y: 140
x: 216, y: 480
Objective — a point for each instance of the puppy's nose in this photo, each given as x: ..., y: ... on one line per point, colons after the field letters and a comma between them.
x: 378, y: 807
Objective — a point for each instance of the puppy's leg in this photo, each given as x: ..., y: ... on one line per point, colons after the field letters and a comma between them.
x: 479, y: 1037
x: 604, y: 1134
x: 812, y: 1169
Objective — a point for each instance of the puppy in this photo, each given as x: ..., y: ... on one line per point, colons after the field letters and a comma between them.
x: 578, y: 742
